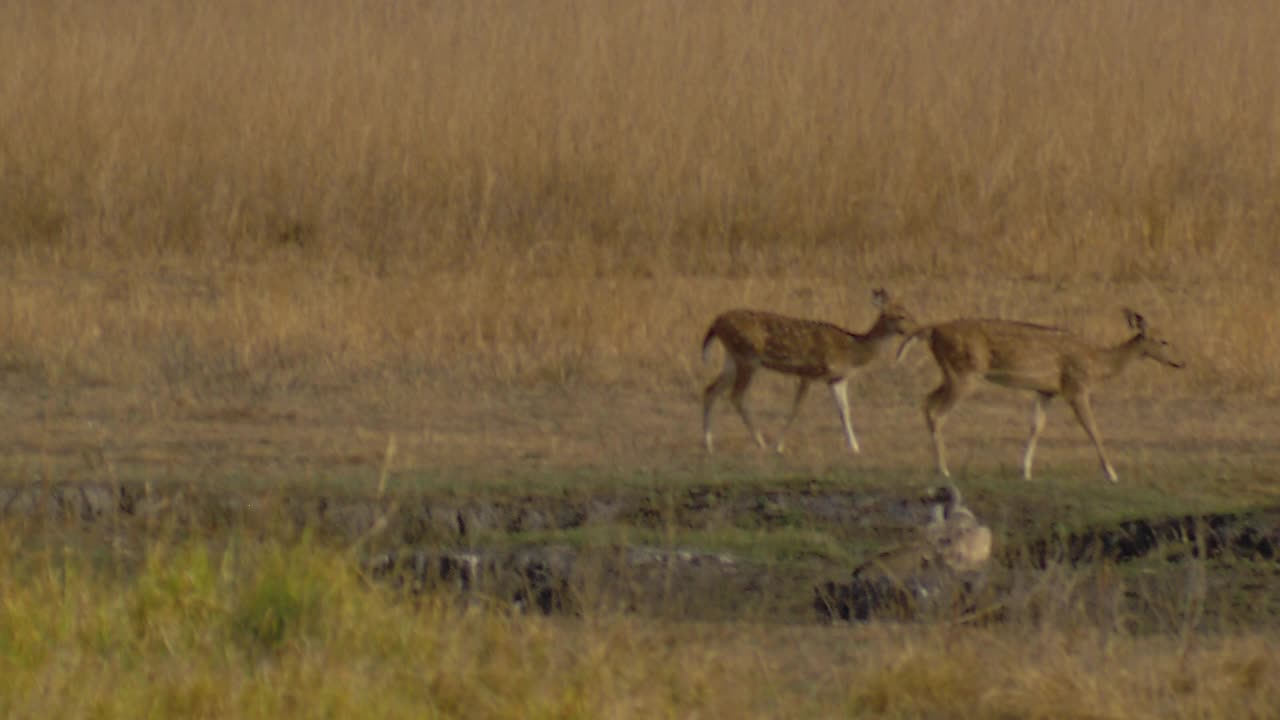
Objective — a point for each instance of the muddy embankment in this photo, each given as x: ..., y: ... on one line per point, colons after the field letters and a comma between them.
x: 488, y: 547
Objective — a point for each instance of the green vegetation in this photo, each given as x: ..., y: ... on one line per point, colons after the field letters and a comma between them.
x: 261, y: 629
x: 754, y: 545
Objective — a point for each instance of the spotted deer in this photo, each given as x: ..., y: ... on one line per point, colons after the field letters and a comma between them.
x: 808, y: 349
x: 1047, y: 361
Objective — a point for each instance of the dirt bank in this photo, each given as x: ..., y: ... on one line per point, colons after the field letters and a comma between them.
x: 516, y: 550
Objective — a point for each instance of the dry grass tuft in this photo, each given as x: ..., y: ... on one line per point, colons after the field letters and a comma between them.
x: 1065, y: 672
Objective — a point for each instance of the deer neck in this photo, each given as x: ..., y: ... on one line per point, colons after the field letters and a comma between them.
x: 1113, y: 360
x: 879, y: 334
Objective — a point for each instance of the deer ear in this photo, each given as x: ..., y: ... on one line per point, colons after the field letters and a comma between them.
x: 879, y: 298
x: 1136, y: 321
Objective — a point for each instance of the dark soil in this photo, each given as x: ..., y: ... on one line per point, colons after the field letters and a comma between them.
x: 1142, y: 573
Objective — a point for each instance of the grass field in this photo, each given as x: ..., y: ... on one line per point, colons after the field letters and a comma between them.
x: 257, y: 631
x: 282, y: 194
x: 471, y: 248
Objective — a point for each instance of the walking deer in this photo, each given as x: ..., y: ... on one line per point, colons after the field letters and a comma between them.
x: 808, y: 349
x: 1045, y: 360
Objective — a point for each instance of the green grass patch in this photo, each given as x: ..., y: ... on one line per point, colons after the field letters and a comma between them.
x: 265, y: 628
x: 786, y: 544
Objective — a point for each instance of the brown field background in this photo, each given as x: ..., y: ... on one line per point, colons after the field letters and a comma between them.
x: 312, y: 193
x: 249, y: 239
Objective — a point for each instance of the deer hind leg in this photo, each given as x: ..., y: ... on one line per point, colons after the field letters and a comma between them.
x: 1084, y: 413
x: 937, y: 405
x: 840, y: 391
x: 801, y: 389
x: 742, y: 381
x: 1037, y: 425
x: 718, y: 387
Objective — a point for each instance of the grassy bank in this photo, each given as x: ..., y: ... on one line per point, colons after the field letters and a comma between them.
x: 253, y: 629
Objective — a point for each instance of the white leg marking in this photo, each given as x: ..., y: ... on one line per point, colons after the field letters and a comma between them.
x: 1037, y: 425
x: 839, y: 390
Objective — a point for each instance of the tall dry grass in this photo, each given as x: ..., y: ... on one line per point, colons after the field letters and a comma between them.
x: 308, y: 192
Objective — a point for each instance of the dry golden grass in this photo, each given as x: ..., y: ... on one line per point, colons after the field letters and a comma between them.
x: 281, y: 194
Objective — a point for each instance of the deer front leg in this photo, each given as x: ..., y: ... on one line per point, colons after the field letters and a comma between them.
x: 1084, y: 413
x: 1037, y: 425
x: 840, y: 391
x: 937, y: 405
x: 934, y: 416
